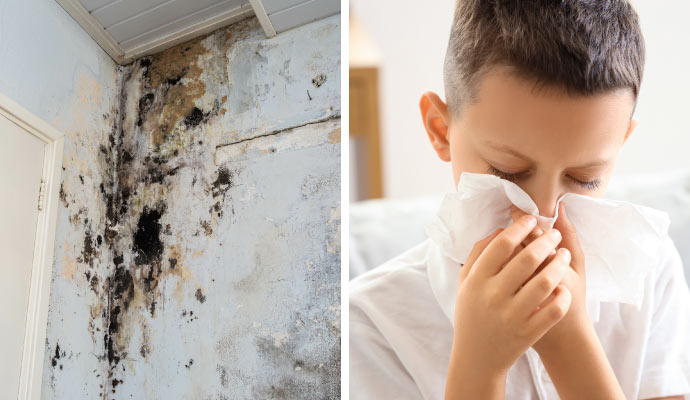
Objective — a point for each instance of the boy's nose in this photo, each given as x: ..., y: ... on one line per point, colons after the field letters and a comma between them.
x: 546, y: 201
x: 548, y: 210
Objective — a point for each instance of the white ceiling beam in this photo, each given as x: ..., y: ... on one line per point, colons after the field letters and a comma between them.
x: 262, y: 16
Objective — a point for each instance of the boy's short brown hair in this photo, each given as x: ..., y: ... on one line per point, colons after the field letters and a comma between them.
x: 583, y: 46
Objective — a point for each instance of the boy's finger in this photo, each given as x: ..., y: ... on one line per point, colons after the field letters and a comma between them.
x: 516, y: 213
x: 476, y: 251
x: 549, y: 313
x: 523, y: 265
x: 570, y: 240
x: 500, y: 249
x: 538, y: 289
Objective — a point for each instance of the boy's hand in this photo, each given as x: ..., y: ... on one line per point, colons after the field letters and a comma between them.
x: 495, y: 321
x: 574, y: 280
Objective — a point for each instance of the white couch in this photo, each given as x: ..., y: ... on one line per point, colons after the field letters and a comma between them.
x: 383, y: 228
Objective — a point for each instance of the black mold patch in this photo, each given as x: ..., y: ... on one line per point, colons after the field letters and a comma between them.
x: 57, y: 355
x: 189, y: 364
x: 151, y: 280
x: 195, y: 117
x: 145, y: 62
x: 145, y: 103
x: 63, y: 195
x: 92, y: 281
x: 154, y: 175
x: 208, y: 230
x: 120, y: 294
x: 121, y: 286
x: 223, y: 182
x: 318, y: 80
x: 192, y: 317
x: 175, y: 80
x: 127, y: 156
x: 124, y: 201
x: 220, y: 186
x: 200, y: 296
x: 147, y: 242
x: 113, y: 328
x: 144, y: 350
x: 88, y: 253
x: 152, y: 308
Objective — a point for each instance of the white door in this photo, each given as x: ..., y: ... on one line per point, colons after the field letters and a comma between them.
x: 21, y: 169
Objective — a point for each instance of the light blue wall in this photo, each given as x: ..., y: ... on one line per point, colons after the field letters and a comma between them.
x: 44, y: 52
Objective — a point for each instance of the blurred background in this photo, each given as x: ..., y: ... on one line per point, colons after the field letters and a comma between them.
x: 396, y: 53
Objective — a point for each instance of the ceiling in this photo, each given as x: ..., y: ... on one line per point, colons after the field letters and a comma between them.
x: 287, y: 14
x: 129, y: 29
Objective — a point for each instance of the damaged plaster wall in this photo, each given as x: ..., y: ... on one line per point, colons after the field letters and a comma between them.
x: 198, y: 251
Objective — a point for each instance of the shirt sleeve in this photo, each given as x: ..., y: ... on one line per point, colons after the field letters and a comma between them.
x: 666, y: 365
x: 375, y: 370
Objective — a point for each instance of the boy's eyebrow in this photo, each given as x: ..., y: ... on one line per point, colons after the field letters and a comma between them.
x: 504, y: 148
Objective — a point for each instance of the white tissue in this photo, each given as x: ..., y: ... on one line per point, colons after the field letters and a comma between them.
x: 621, y: 241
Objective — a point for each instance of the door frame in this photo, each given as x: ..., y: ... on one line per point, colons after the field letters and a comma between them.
x: 33, y: 352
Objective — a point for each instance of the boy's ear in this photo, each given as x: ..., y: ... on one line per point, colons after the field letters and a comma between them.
x: 631, y: 128
x: 435, y: 118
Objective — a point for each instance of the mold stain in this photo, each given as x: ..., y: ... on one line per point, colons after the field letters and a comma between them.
x: 208, y: 229
x: 220, y: 186
x: 56, y: 357
x: 63, y: 195
x: 151, y: 140
x: 89, y: 252
x: 200, y: 296
x: 163, y: 128
x: 172, y: 84
x: 194, y: 118
x: 318, y: 80
x: 147, y: 241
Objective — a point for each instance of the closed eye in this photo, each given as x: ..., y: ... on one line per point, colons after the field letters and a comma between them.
x: 505, y: 175
x: 589, y: 185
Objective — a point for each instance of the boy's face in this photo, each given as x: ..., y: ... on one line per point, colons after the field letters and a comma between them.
x: 545, y: 141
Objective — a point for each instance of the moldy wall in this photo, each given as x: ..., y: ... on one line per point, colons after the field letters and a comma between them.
x: 198, y: 251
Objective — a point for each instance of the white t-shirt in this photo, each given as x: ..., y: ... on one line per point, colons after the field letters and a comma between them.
x: 401, y: 333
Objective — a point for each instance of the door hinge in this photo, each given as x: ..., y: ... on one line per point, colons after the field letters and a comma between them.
x: 41, y: 195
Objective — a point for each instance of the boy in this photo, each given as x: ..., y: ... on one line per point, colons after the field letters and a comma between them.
x: 540, y: 93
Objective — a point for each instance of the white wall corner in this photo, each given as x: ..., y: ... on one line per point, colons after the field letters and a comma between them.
x: 94, y: 28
